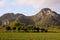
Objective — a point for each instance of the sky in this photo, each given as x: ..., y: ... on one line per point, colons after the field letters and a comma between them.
x: 28, y: 7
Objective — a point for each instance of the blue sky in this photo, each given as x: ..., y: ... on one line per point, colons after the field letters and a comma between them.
x: 28, y: 7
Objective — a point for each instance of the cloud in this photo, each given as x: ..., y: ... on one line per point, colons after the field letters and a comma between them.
x: 37, y: 3
x: 2, y: 4
x: 52, y: 3
x: 34, y: 3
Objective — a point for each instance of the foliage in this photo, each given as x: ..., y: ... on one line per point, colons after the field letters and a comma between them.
x: 44, y: 30
x: 4, y: 26
x: 37, y: 29
x: 19, y: 28
x: 14, y: 28
x: 16, y: 24
x: 8, y: 28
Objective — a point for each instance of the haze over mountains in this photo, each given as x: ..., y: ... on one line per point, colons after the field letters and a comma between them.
x: 46, y: 17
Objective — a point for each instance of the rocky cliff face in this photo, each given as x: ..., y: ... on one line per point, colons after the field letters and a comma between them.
x: 47, y: 17
x: 45, y: 12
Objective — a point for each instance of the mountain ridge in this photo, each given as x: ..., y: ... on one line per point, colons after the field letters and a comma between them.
x: 41, y: 16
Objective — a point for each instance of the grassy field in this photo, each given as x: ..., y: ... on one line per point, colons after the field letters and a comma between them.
x: 29, y: 36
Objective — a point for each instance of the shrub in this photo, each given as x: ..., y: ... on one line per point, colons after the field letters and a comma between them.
x: 8, y: 28
x: 14, y: 28
x: 25, y: 29
x: 46, y: 30
x: 42, y: 30
x: 34, y: 28
x: 19, y: 28
x: 37, y: 29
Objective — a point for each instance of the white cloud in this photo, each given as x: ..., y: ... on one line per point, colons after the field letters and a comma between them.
x: 2, y: 4
x: 37, y: 3
x: 52, y: 3
x: 33, y: 3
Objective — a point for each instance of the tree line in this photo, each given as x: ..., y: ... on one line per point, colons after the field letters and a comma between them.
x: 26, y: 28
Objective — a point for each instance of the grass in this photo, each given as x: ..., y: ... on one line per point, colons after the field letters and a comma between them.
x: 29, y: 36
x: 14, y: 35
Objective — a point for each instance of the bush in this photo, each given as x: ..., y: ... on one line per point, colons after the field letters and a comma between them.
x: 37, y: 29
x: 8, y: 28
x: 14, y: 28
x: 46, y: 30
x: 19, y: 29
x: 25, y: 29
x: 3, y: 26
x: 34, y: 28
x: 42, y: 30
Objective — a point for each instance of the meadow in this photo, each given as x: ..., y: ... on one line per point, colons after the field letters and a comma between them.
x: 29, y: 36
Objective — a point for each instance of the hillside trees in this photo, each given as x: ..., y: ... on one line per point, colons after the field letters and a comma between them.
x: 15, y: 25
x: 18, y: 26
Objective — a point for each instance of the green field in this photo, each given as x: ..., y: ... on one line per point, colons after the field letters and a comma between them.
x: 29, y: 36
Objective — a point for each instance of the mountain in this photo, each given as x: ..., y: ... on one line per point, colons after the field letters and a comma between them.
x: 45, y: 12
x: 26, y: 20
x: 46, y: 17
x: 10, y: 17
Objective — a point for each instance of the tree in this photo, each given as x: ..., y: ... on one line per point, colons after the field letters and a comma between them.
x: 4, y: 26
x: 37, y: 29
x: 25, y: 29
x: 14, y: 28
x: 8, y: 28
x: 42, y: 30
x: 46, y: 30
x: 34, y: 28
x: 16, y: 24
x: 30, y: 27
x: 19, y: 28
